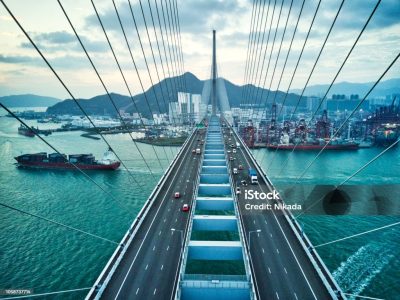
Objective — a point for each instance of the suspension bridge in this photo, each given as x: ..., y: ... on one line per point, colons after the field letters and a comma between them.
x: 152, y: 261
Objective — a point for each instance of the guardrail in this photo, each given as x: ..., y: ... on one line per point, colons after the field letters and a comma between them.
x: 189, y: 225
x: 248, y: 261
x: 323, y: 272
x: 105, y: 276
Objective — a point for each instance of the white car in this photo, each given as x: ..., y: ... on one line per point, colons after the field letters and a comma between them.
x: 234, y: 151
x: 235, y: 171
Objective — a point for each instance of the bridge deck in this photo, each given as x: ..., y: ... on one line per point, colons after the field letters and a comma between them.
x: 149, y: 267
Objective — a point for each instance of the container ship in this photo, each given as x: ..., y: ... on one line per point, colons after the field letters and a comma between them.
x: 43, y: 160
x: 314, y: 144
x: 26, y: 131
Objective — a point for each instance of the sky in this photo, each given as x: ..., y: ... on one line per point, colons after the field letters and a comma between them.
x: 23, y: 71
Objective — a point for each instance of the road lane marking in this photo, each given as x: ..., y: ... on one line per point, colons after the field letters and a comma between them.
x: 146, y: 266
x: 155, y: 291
x: 277, y: 250
x: 265, y: 221
x: 137, y: 291
x: 159, y: 233
x: 168, y: 248
x: 176, y: 220
x: 254, y: 221
x: 285, y: 270
x: 162, y: 267
x: 270, y: 234
x: 269, y: 270
x: 154, y: 248
x: 165, y: 220
x: 277, y: 296
x: 263, y: 250
x: 295, y: 295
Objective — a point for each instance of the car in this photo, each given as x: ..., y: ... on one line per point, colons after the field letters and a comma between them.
x: 185, y: 207
x: 177, y: 195
x: 238, y: 192
x: 244, y: 182
x: 234, y: 151
x: 232, y: 145
x: 240, y: 167
x: 229, y: 151
x: 231, y: 158
x: 235, y: 171
x: 194, y: 151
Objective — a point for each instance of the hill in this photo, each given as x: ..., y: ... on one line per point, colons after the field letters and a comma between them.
x: 187, y: 82
x: 28, y: 100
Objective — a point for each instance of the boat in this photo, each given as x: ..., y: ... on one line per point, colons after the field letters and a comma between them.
x: 314, y: 144
x: 387, y: 134
x: 43, y: 160
x: 26, y: 131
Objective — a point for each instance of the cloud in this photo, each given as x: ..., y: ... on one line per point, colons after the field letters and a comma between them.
x: 62, y: 41
x: 18, y: 59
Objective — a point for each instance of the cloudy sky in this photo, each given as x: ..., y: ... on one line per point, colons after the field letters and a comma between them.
x: 23, y: 71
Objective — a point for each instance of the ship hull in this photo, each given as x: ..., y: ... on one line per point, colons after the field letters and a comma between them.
x: 26, y: 132
x: 313, y: 147
x: 68, y: 166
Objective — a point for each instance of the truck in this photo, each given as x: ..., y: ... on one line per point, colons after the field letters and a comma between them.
x: 253, y: 176
x: 198, y: 151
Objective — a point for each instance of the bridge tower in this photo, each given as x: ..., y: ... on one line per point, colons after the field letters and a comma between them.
x: 214, y: 78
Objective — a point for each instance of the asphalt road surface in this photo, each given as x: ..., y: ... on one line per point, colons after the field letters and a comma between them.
x: 282, y: 268
x: 149, y: 268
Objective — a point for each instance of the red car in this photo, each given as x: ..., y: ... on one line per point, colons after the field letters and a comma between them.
x: 185, y: 207
x: 240, y: 167
x: 177, y: 195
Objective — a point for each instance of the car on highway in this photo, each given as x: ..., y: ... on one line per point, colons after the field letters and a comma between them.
x: 185, y: 207
x: 238, y: 192
x: 229, y: 151
x: 231, y: 158
x: 235, y: 171
x: 194, y: 151
x: 234, y: 151
x: 240, y: 167
x: 177, y: 195
x: 244, y: 182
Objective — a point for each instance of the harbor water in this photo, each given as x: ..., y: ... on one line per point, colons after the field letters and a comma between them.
x: 37, y: 255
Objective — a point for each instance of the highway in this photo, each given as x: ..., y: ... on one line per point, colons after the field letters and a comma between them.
x: 149, y: 268
x: 282, y: 268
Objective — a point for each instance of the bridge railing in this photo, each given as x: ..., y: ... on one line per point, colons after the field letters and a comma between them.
x: 112, y: 264
x: 333, y: 288
x: 188, y: 229
x: 246, y: 250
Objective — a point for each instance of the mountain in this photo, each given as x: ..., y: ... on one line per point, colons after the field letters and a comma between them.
x: 28, y: 100
x: 384, y: 88
x: 187, y: 82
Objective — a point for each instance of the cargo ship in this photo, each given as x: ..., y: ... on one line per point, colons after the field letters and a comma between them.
x: 43, y: 160
x: 314, y: 144
x: 26, y: 131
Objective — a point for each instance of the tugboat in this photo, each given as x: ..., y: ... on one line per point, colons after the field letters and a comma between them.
x: 43, y: 160
x: 26, y: 131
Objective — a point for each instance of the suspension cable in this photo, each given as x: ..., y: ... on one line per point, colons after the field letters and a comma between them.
x: 122, y: 74
x: 351, y: 176
x: 57, y: 223
x: 338, y: 72
x: 248, y: 46
x: 174, y: 83
x: 312, y: 71
x: 252, y: 47
x: 269, y: 60
x: 105, y: 88
x: 73, y: 164
x: 345, y: 121
x: 65, y: 87
x: 357, y: 234
x: 258, y: 48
